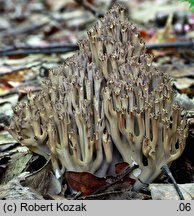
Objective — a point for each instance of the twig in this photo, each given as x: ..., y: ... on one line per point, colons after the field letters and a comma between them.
x: 89, y: 7
x: 64, y: 48
x: 48, y: 49
x: 43, y: 51
x: 19, y: 31
x: 96, y: 196
x: 168, y: 173
x: 126, y: 195
x: 101, y: 196
x: 178, y: 44
x: 50, y: 46
x: 125, y: 173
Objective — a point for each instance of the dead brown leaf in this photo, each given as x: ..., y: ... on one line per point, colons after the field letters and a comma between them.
x: 84, y: 182
x: 89, y: 184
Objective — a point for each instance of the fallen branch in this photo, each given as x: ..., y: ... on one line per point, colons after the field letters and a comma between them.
x: 48, y: 49
x: 64, y: 48
x: 178, y: 44
x: 24, y: 30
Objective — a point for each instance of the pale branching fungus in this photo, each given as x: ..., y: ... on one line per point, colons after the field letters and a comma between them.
x: 108, y: 95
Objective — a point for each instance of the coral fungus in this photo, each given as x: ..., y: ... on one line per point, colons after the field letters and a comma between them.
x: 107, y: 96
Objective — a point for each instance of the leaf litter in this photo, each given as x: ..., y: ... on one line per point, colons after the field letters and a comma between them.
x: 22, y: 71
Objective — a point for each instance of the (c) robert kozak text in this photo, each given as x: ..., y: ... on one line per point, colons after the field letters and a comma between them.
x: 52, y: 207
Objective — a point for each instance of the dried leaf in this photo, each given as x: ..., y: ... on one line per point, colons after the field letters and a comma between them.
x: 120, y: 167
x: 6, y: 138
x: 183, y: 71
x: 184, y: 83
x: 10, y: 98
x: 16, y: 166
x: 84, y: 182
x: 4, y: 86
x: 88, y: 184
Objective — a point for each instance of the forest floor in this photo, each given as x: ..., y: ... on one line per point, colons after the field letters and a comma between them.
x: 36, y: 36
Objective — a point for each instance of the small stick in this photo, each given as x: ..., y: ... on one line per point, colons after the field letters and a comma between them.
x: 178, y: 44
x: 48, y: 49
x: 168, y: 173
x: 95, y: 196
x: 64, y: 48
x: 125, y: 173
x: 25, y: 30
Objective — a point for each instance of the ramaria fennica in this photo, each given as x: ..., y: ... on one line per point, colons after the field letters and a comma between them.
x: 107, y: 96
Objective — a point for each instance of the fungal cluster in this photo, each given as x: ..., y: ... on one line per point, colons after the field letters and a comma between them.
x: 106, y: 98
